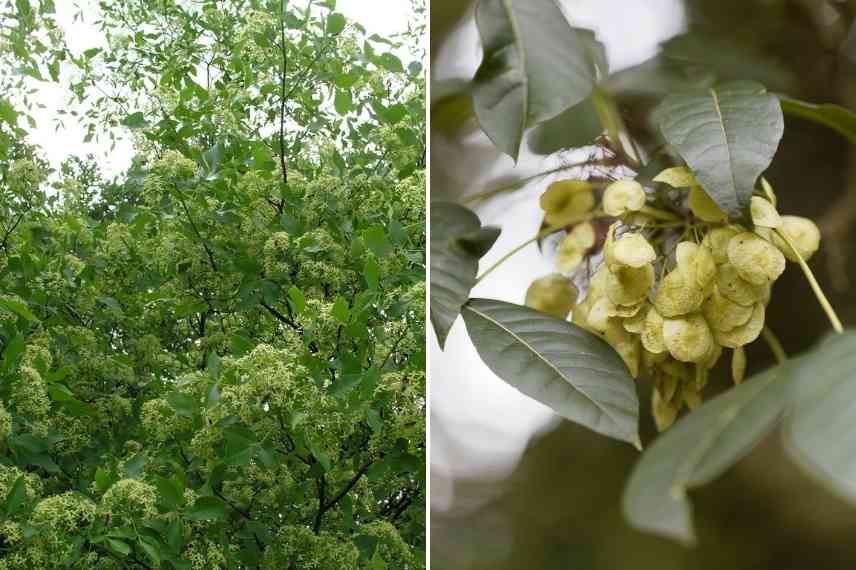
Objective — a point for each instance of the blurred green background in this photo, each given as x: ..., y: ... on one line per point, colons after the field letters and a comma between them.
x: 556, y: 505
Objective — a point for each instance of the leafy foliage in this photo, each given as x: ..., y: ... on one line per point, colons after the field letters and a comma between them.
x: 217, y: 360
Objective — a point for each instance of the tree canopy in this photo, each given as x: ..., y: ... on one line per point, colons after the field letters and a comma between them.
x: 215, y: 359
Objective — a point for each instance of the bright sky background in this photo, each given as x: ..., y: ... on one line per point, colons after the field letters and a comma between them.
x: 383, y: 17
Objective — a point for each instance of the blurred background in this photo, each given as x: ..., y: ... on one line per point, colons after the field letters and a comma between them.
x: 512, y: 485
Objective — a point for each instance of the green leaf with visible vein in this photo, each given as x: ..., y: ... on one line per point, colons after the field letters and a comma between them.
x: 535, y: 66
x: 561, y: 365
x: 727, y: 134
x: 821, y: 432
x: 835, y: 117
x: 699, y: 448
x: 458, y: 240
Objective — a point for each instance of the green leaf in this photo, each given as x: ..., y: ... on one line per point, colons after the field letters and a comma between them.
x: 16, y: 496
x: 727, y: 135
x: 135, y: 121
x: 343, y: 102
x: 835, y: 117
x: 340, y: 310
x: 119, y: 546
x: 12, y: 351
x: 298, y: 300
x: 171, y: 495
x: 458, y: 240
x: 135, y: 465
x: 7, y: 112
x: 371, y: 272
x: 578, y: 126
x: 19, y: 309
x: 104, y: 479
x: 821, y: 434
x: 699, y: 448
x: 390, y: 62
x: 561, y: 365
x: 185, y: 405
x: 206, y: 509
x: 377, y: 241
x: 535, y: 66
x: 335, y: 23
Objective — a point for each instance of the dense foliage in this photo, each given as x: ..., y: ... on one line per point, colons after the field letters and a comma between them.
x: 215, y: 360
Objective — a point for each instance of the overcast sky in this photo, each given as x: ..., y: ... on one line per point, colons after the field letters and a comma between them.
x: 384, y: 17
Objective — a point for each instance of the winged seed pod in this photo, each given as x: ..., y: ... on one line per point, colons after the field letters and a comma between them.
x: 623, y: 196
x: 669, y: 307
x: 574, y: 246
x: 565, y: 201
x: 755, y: 259
x: 553, y: 294
x: 803, y: 233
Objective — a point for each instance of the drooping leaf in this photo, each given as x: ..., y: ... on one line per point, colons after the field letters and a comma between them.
x: 699, y: 448
x: 19, y: 309
x: 16, y: 496
x: 535, y: 66
x: 727, y: 135
x: 561, y: 365
x: 458, y: 240
x: 206, y: 509
x: 837, y: 118
x: 578, y: 126
x: 135, y: 121
x: 7, y: 112
x: 820, y: 433
x: 335, y: 23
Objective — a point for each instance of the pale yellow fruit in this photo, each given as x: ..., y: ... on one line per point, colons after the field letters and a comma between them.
x: 667, y: 385
x: 566, y: 201
x: 692, y: 396
x: 652, y: 333
x: 688, y: 339
x: 723, y: 314
x: 633, y: 250
x: 623, y: 196
x: 629, y: 285
x: 664, y: 411
x: 635, y: 323
x: 755, y: 259
x: 553, y: 294
x: 734, y: 287
x: 696, y: 262
x: 574, y: 246
x: 703, y: 207
x: 743, y: 335
x: 803, y: 233
x: 598, y: 316
x: 717, y: 242
x: 678, y: 294
x: 712, y: 357
x: 677, y: 177
x: 763, y: 213
x: 738, y: 365
x: 625, y: 344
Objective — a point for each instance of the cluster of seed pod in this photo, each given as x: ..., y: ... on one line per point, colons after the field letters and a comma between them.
x: 668, y: 301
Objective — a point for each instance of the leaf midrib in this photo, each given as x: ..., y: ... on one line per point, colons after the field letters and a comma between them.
x: 718, y: 110
x: 515, y: 31
x: 468, y: 307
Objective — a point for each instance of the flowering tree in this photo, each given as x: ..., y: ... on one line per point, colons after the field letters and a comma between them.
x: 215, y: 360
